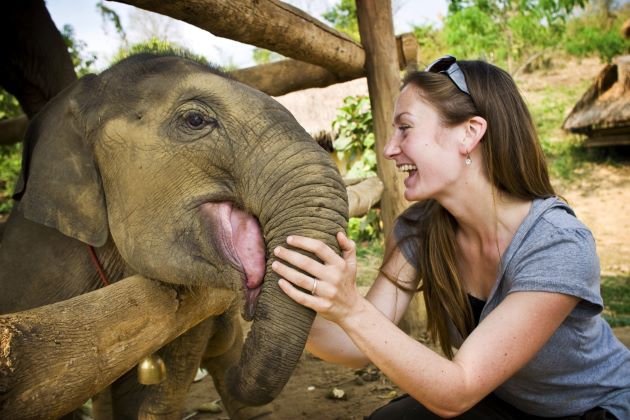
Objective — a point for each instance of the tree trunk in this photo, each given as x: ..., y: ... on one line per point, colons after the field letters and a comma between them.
x: 53, y: 358
x: 377, y: 37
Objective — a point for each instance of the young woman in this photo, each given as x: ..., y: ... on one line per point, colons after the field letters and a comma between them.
x: 510, y: 276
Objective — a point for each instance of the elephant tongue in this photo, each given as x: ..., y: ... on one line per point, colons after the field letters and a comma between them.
x: 250, y: 249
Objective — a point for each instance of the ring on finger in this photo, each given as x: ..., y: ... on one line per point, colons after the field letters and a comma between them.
x: 314, y: 287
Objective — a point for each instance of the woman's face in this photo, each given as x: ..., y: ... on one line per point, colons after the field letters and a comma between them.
x: 423, y: 148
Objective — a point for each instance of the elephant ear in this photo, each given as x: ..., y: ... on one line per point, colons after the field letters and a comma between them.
x: 60, y: 185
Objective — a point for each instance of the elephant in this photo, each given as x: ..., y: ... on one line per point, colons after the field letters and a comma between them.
x: 165, y: 167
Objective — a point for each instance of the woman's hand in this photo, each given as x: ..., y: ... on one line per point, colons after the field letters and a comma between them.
x: 331, y: 283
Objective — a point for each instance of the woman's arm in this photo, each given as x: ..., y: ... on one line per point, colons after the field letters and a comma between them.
x: 330, y: 342
x: 501, y: 345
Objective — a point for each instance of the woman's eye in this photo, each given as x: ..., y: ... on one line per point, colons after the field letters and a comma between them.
x: 403, y: 128
x: 195, y: 120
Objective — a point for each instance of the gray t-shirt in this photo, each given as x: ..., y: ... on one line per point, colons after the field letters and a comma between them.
x: 583, y: 365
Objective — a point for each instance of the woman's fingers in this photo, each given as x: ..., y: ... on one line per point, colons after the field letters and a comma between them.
x: 293, y: 275
x: 300, y: 261
x: 323, y: 251
x: 348, y: 248
x: 300, y: 297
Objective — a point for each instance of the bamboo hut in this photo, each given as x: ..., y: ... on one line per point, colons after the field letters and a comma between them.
x: 603, y: 112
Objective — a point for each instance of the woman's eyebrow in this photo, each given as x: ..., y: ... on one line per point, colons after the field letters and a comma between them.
x: 399, y: 116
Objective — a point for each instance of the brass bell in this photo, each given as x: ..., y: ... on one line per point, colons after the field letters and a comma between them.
x: 151, y: 370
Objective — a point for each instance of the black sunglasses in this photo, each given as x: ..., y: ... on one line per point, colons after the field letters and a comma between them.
x: 448, y: 65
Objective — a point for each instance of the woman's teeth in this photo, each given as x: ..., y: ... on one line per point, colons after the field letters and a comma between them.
x: 407, y: 168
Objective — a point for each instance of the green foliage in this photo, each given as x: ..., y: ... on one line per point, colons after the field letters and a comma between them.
x: 9, y: 106
x: 354, y: 143
x: 565, y: 153
x: 472, y: 33
x: 10, y: 162
x: 365, y: 228
x: 81, y: 60
x: 596, y: 34
x: 343, y: 17
x: 506, y: 32
x: 109, y: 15
x: 431, y: 41
x: 10, y: 156
x: 616, y: 295
x: 354, y: 146
x: 158, y: 46
x: 369, y: 258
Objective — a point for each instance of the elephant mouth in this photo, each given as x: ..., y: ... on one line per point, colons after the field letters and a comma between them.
x: 237, y: 236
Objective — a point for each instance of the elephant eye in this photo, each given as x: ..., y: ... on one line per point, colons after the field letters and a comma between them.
x: 195, y: 120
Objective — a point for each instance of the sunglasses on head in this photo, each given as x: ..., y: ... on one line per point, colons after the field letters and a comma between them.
x: 448, y: 65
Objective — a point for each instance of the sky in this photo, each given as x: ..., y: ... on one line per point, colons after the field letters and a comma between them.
x: 101, y: 38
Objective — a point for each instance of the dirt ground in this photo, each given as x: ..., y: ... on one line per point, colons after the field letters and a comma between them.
x: 601, y: 199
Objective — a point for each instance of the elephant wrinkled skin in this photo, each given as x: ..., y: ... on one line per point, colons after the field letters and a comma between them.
x: 173, y: 171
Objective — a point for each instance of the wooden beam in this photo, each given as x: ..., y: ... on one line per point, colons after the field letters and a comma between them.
x: 53, y: 358
x: 285, y: 76
x: 377, y: 35
x: 363, y: 195
x: 269, y: 24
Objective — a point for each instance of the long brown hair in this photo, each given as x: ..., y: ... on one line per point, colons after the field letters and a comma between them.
x: 513, y: 161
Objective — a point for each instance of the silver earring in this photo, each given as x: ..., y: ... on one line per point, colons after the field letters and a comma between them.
x: 468, y: 159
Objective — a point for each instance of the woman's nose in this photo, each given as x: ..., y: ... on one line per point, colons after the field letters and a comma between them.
x: 392, y: 148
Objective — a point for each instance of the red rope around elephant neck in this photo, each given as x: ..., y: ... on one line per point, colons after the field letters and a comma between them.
x: 97, y: 265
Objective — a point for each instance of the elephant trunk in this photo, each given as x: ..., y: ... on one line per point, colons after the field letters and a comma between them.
x: 310, y: 203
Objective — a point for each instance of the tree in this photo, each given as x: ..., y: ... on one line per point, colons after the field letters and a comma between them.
x: 507, y: 32
x: 343, y: 17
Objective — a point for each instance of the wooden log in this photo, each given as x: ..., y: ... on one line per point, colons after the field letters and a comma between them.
x: 12, y: 130
x: 285, y: 76
x: 377, y: 35
x: 53, y: 358
x: 269, y: 24
x: 363, y: 195
x: 407, y: 48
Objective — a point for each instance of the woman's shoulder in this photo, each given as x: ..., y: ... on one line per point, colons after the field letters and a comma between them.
x: 558, y: 214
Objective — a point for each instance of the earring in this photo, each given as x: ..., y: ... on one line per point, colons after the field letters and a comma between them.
x: 468, y: 159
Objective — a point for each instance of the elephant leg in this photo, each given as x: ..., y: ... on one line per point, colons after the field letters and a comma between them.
x: 224, y: 350
x: 166, y: 400
x: 102, y: 405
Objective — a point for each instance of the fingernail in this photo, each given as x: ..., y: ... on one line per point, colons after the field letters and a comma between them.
x: 274, y: 264
x: 289, y: 239
x: 276, y: 250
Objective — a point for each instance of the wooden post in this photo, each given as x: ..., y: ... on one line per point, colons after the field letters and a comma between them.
x: 377, y: 36
x: 53, y: 358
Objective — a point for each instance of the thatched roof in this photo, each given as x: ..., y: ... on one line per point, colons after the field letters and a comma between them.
x: 606, y: 104
x: 315, y: 109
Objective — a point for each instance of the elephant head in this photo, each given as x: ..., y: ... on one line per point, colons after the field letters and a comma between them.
x: 196, y: 178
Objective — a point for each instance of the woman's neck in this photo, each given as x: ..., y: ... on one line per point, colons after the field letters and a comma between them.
x: 487, y: 219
